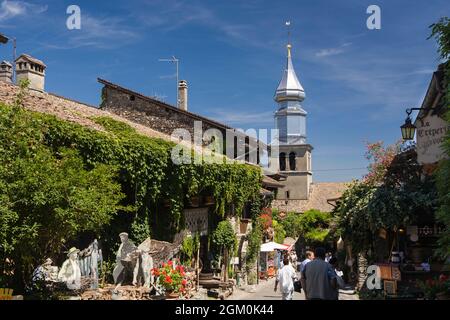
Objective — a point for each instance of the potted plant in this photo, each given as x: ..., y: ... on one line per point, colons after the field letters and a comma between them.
x: 171, y: 279
x: 436, y: 289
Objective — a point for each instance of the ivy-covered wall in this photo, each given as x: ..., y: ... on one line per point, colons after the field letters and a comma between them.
x: 155, y: 190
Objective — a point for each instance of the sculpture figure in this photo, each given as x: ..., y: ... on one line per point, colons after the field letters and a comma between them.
x: 70, y: 272
x: 45, y: 272
x: 90, y: 262
x: 126, y: 258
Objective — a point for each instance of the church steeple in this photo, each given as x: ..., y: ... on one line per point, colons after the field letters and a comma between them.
x: 289, y: 88
x: 290, y: 118
x: 292, y: 154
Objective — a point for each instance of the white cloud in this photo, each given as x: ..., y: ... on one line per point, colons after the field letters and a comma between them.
x: 12, y: 9
x: 332, y: 51
x: 234, y: 118
x: 98, y: 32
x: 178, y: 14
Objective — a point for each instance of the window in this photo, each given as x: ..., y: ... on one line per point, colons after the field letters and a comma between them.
x: 282, y: 161
x: 287, y: 194
x: 132, y: 98
x: 292, y: 161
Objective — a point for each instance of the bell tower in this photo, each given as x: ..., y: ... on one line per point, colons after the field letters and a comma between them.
x: 293, y: 157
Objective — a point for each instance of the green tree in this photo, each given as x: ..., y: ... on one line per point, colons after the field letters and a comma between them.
x: 441, y: 32
x: 291, y: 224
x: 280, y: 234
x: 225, y: 238
x: 314, y: 226
x: 46, y: 198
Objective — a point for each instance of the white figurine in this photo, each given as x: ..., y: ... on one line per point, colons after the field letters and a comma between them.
x: 70, y: 272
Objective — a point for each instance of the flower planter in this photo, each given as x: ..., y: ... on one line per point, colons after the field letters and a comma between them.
x: 172, y: 295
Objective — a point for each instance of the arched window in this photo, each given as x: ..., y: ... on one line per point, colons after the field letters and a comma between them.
x: 282, y: 161
x: 292, y: 161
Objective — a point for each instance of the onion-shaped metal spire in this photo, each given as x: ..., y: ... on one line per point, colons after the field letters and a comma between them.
x: 289, y: 88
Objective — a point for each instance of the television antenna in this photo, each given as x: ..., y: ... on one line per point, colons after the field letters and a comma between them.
x: 174, y: 60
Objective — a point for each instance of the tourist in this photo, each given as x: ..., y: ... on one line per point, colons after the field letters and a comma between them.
x: 309, y: 257
x: 285, y: 277
x: 319, y: 278
x: 335, y: 272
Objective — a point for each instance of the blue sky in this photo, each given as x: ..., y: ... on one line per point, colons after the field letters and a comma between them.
x: 358, y: 82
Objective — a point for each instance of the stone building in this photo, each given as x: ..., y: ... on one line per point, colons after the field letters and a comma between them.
x: 291, y: 154
x: 166, y: 118
x: 31, y: 69
x: 6, y: 71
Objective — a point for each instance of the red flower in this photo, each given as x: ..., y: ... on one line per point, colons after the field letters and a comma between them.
x: 168, y: 279
x: 170, y: 263
x: 184, y: 282
x: 443, y: 278
x: 155, y: 272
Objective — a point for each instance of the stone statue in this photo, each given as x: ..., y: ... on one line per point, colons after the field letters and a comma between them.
x: 91, y: 262
x: 70, y: 272
x: 126, y: 259
x: 144, y: 274
x: 46, y: 272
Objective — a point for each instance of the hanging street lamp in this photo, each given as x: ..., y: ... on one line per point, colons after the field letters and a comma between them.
x: 409, y: 129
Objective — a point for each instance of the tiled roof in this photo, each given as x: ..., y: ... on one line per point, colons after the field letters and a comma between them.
x: 318, y: 199
x: 31, y: 59
x: 271, y: 183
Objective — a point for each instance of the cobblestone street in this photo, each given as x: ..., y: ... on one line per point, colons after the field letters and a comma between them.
x: 264, y: 291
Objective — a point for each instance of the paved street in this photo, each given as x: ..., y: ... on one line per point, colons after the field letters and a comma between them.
x: 264, y: 291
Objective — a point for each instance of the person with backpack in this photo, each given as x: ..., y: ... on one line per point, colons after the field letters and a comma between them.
x: 285, y: 278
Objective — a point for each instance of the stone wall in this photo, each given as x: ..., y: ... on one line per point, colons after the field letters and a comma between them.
x: 152, y: 113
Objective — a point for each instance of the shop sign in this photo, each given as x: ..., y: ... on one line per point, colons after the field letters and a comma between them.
x: 431, y: 133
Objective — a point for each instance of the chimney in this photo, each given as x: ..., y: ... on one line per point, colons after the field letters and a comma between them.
x: 6, y: 71
x: 32, y: 69
x: 182, y: 95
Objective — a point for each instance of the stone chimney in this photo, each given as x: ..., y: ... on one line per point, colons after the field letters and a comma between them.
x: 32, y: 69
x: 183, y: 95
x: 6, y: 71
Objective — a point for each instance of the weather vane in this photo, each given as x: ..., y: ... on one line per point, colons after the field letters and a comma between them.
x: 288, y: 25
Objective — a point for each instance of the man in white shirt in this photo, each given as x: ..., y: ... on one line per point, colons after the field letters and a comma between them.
x: 285, y: 277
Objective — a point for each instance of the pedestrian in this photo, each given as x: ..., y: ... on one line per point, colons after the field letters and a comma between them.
x: 319, y: 278
x: 285, y: 277
x: 309, y: 256
x: 338, y: 274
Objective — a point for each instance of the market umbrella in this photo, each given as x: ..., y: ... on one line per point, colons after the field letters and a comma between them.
x: 272, y: 246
